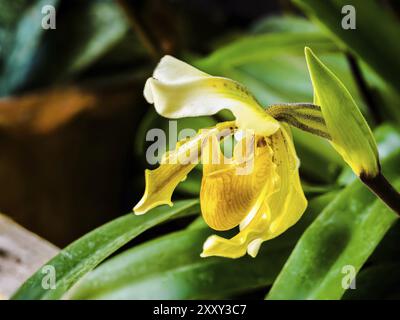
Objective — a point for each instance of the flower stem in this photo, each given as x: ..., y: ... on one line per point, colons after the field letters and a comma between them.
x: 384, y: 190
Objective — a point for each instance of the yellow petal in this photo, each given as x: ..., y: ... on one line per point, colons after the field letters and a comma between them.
x: 179, y: 90
x: 350, y: 133
x: 287, y: 205
x: 231, y: 187
x: 282, y: 204
x: 175, y: 165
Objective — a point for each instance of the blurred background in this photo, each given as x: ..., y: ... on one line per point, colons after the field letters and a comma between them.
x: 73, y: 119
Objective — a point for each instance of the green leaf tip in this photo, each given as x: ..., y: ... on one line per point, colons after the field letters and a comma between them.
x: 351, y: 136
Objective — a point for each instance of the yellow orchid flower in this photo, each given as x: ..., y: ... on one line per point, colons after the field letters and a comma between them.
x: 263, y: 202
x: 267, y: 199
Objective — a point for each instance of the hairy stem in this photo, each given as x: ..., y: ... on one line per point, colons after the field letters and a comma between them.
x: 304, y: 116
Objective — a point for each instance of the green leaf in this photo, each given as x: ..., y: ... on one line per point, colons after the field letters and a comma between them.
x: 373, y: 23
x: 258, y: 48
x: 286, y: 23
x: 73, y: 262
x: 345, y: 233
x: 170, y: 267
x: 272, y: 65
x: 349, y: 131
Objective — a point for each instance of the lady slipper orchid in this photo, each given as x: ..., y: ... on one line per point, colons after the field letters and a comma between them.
x: 268, y: 199
x: 263, y: 202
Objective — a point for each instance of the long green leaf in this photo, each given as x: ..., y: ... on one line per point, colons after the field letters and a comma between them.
x: 284, y: 23
x: 346, y: 233
x: 171, y: 268
x: 83, y: 255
